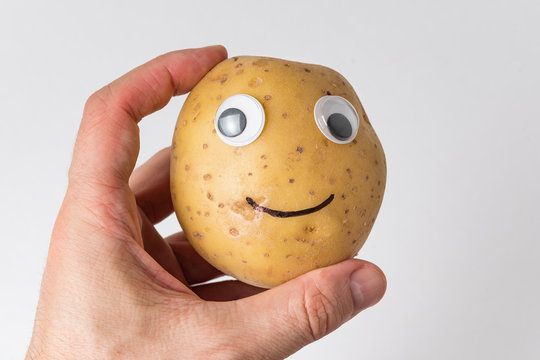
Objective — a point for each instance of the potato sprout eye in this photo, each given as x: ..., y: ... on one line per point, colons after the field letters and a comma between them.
x: 336, y: 118
x: 232, y: 122
x: 239, y: 120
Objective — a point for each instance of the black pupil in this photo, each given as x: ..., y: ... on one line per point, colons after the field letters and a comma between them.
x: 339, y: 126
x: 232, y: 122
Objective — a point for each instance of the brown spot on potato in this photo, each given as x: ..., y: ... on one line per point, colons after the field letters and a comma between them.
x: 235, y: 58
x: 265, y: 166
x: 206, y: 213
x: 244, y: 261
x: 284, y: 115
x: 288, y: 256
x: 364, y: 116
x: 233, y: 232
x: 355, y: 141
x: 198, y: 235
x: 222, y: 78
x: 307, y: 70
x: 245, y: 210
x: 188, y: 208
x: 311, y: 192
x: 328, y: 92
x: 346, y: 211
x: 205, y: 146
x: 343, y: 196
x: 221, y: 205
x: 263, y: 156
x: 199, y: 212
x: 291, y: 181
x: 207, y: 177
x: 255, y: 82
x: 218, y: 97
x: 266, y: 254
x: 300, y: 149
x: 210, y: 196
x: 267, y: 97
x: 249, y: 174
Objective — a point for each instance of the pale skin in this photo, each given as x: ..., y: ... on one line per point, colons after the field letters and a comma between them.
x: 113, y: 288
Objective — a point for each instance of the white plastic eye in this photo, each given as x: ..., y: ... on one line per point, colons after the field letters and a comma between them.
x: 239, y: 120
x: 336, y: 118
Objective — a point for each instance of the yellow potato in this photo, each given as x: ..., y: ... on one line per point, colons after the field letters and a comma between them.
x: 291, y: 200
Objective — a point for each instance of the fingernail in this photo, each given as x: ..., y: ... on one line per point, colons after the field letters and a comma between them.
x: 367, y: 287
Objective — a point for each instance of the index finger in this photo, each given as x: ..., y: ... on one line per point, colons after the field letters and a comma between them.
x: 108, y: 140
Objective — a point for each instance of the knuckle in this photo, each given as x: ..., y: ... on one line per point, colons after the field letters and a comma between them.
x: 317, y: 313
x: 97, y: 102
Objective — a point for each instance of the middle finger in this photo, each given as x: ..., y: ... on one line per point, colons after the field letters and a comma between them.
x: 150, y: 185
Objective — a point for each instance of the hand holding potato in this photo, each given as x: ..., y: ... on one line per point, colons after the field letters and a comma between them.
x: 114, y: 288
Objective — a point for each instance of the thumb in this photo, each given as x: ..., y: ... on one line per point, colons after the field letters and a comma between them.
x: 292, y: 315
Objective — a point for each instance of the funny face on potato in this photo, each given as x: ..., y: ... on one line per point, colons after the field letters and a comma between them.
x: 275, y: 169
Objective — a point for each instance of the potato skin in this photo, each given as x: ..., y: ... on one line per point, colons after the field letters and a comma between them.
x: 291, y: 166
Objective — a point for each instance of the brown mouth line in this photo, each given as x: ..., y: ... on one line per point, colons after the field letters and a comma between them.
x: 285, y: 214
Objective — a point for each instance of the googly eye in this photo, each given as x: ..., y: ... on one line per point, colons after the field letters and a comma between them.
x: 336, y: 118
x: 239, y: 120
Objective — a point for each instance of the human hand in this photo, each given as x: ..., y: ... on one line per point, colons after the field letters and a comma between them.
x: 114, y: 288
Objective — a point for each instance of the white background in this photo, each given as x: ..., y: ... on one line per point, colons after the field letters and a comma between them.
x: 452, y: 89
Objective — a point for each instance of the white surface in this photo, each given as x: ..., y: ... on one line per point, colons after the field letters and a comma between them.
x: 451, y: 88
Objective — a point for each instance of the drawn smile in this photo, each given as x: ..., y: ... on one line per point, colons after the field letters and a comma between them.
x: 284, y: 214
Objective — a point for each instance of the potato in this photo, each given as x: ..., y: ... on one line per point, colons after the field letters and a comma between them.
x: 280, y: 183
